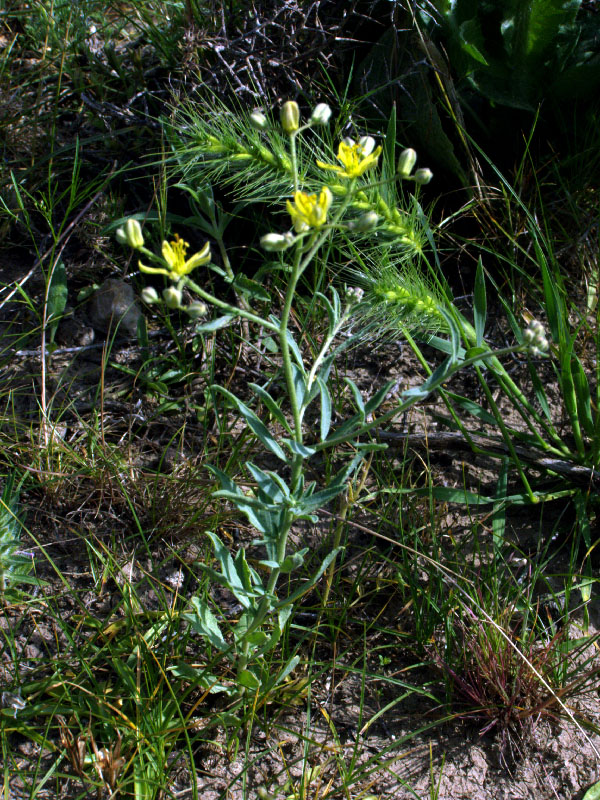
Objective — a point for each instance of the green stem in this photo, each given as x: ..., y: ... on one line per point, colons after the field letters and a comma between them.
x: 235, y: 310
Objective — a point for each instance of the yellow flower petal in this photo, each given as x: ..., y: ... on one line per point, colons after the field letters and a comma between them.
x: 153, y: 270
x: 355, y: 158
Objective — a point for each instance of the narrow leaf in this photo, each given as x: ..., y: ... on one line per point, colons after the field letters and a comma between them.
x: 479, y: 304
x: 254, y: 423
x: 326, y: 408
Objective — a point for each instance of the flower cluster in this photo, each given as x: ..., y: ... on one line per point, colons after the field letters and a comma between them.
x: 174, y: 264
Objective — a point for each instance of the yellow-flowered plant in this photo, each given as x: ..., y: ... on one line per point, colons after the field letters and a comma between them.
x: 356, y: 158
x: 281, y: 497
x: 174, y: 257
x: 307, y: 211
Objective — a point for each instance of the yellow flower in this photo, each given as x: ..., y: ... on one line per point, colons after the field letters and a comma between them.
x: 356, y: 158
x: 174, y: 255
x: 308, y: 211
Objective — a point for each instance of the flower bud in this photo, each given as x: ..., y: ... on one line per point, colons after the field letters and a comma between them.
x: 423, y: 176
x: 367, y: 145
x: 406, y: 162
x: 131, y: 234
x: 149, y: 295
x: 172, y: 297
x: 366, y: 222
x: 321, y: 114
x: 290, y: 116
x: 258, y: 121
x: 196, y: 309
x: 276, y: 242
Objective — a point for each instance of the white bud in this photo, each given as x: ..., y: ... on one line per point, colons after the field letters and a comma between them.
x: 423, y: 176
x: 149, y: 295
x: 258, y: 121
x: 366, y: 222
x: 321, y: 114
x: 196, y: 309
x: 367, y: 145
x: 172, y: 297
x: 131, y: 234
x: 276, y: 242
x: 406, y: 162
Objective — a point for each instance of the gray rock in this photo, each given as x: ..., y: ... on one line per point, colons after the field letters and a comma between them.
x: 114, y: 308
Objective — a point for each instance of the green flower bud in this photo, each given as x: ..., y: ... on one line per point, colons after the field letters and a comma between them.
x: 276, y: 242
x: 149, y: 295
x: 172, y: 297
x: 290, y: 117
x: 131, y: 234
x: 196, y: 309
x: 258, y: 121
x: 406, y: 162
x: 423, y: 176
x: 321, y: 114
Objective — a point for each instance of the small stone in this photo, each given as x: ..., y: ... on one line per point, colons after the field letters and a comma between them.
x: 114, y: 307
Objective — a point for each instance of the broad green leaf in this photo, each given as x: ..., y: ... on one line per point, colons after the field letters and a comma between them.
x: 248, y: 680
x: 472, y: 41
x: 293, y: 561
x: 593, y: 793
x: 203, y: 621
x: 202, y: 678
x: 299, y: 449
x: 214, y: 325
x: 444, y: 346
x: 250, y: 288
x: 299, y: 384
x: 270, y: 485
